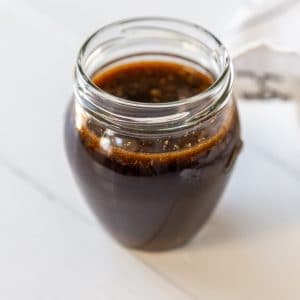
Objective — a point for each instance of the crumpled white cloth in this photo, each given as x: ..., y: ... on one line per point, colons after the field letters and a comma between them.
x: 264, y: 40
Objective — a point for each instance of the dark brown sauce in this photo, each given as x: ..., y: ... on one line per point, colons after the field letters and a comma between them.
x: 152, y: 81
x: 153, y: 193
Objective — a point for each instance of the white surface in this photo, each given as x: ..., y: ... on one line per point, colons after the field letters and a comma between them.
x: 51, y: 246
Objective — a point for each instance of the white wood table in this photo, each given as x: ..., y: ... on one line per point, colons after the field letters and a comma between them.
x: 50, y: 244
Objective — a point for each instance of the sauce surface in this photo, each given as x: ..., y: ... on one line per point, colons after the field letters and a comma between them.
x: 152, y: 81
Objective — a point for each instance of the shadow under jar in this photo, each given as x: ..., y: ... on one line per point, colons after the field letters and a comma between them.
x: 152, y: 131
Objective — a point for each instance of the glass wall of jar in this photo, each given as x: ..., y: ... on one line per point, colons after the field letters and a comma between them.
x: 152, y: 172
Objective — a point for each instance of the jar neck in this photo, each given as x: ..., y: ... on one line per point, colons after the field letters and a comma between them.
x: 153, y: 39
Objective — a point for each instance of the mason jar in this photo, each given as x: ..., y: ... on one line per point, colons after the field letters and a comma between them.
x: 152, y: 172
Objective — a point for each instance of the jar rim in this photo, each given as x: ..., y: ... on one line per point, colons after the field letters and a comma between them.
x: 145, y: 116
x: 174, y: 103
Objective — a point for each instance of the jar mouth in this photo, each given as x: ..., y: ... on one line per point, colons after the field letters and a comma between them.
x: 96, y: 45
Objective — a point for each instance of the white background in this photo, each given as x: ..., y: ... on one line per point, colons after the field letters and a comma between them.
x: 50, y: 244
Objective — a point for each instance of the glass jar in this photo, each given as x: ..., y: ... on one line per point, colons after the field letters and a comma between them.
x: 152, y: 172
